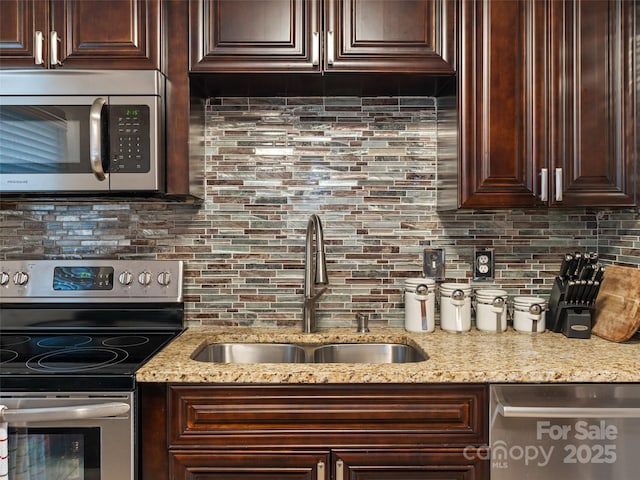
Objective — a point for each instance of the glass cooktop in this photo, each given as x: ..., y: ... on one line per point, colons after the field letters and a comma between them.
x: 75, y: 361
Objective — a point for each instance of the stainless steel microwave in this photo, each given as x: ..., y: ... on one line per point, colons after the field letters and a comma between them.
x: 89, y: 131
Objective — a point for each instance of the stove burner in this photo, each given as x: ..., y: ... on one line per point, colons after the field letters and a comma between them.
x: 7, y: 355
x: 13, y: 340
x: 125, y: 341
x: 77, y: 359
x: 64, y: 341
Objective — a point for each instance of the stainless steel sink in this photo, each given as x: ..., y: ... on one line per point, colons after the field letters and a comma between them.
x: 303, y: 353
x: 367, y: 353
x: 250, y: 353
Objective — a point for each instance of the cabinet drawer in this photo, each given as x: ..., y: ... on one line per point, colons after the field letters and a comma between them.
x: 248, y: 464
x: 320, y: 415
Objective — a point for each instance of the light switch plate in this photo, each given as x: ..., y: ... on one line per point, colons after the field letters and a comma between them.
x: 433, y: 263
x: 483, y: 264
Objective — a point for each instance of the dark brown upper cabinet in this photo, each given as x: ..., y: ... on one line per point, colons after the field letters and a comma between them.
x: 546, y: 104
x: 270, y: 36
x: 592, y: 88
x: 121, y: 34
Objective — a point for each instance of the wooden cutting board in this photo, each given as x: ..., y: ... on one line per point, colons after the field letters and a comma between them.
x: 617, y: 311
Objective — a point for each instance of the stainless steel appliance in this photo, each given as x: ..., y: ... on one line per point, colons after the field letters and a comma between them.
x: 550, y: 431
x: 71, y: 131
x: 73, y: 335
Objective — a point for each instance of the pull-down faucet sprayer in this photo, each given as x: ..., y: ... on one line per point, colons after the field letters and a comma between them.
x: 315, y: 272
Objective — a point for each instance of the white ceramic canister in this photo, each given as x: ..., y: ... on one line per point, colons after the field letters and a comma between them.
x: 455, y: 307
x: 529, y: 314
x: 491, y: 310
x: 419, y: 305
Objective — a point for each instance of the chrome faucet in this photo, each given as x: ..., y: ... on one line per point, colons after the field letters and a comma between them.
x: 315, y: 272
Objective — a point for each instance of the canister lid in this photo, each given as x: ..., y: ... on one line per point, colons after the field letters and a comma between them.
x: 528, y: 301
x: 413, y: 283
x: 448, y: 288
x: 488, y: 294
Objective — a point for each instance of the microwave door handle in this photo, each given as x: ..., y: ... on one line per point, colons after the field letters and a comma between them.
x: 95, y: 138
x: 55, y: 414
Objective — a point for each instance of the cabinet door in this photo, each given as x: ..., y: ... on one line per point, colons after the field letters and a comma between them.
x: 19, y: 22
x: 502, y: 85
x: 384, y: 36
x: 122, y: 34
x: 593, y: 123
x: 254, y: 35
x: 249, y: 465
x: 440, y: 464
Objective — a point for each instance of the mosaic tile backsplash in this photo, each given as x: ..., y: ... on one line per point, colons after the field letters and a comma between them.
x: 367, y: 166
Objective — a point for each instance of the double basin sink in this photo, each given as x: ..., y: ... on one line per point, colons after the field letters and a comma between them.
x: 308, y: 353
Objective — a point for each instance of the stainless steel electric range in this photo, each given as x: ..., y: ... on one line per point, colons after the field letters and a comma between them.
x: 72, y: 335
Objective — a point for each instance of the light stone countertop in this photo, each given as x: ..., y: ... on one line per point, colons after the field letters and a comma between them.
x: 468, y: 357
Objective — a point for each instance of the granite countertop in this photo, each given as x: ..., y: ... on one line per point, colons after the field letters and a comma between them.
x: 467, y: 357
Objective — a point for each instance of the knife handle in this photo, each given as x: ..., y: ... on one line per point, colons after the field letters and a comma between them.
x: 582, y: 260
x: 570, y: 291
x: 586, y: 272
x: 564, y: 266
x: 579, y: 296
x: 599, y: 274
x: 573, y: 264
x: 595, y: 290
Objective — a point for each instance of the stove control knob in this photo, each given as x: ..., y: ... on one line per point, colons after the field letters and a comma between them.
x: 125, y: 278
x: 144, y: 278
x: 4, y: 278
x: 20, y: 278
x: 164, y: 278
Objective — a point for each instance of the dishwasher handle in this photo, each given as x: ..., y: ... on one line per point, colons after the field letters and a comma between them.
x: 503, y: 408
x: 55, y: 414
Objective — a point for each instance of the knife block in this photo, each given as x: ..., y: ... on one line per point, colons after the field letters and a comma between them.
x: 562, y: 315
x: 577, y: 324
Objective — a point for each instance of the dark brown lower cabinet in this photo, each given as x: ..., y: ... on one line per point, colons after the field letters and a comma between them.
x: 249, y: 465
x: 441, y: 464
x: 373, y: 464
x: 314, y: 432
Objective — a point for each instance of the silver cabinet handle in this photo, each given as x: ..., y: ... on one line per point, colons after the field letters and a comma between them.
x: 544, y: 184
x: 315, y: 47
x: 339, y: 470
x: 95, y: 138
x: 559, y: 184
x: 330, y: 56
x: 54, y: 48
x: 320, y: 471
x: 54, y: 414
x: 39, y: 44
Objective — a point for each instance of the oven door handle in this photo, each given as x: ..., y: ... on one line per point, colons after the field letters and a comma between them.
x: 55, y: 414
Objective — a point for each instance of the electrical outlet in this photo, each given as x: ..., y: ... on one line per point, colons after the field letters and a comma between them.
x: 433, y: 263
x: 483, y: 264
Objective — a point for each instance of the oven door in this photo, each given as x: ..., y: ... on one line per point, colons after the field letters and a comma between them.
x: 68, y: 436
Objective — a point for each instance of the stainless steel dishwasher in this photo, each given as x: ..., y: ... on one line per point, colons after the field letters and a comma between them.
x: 553, y: 431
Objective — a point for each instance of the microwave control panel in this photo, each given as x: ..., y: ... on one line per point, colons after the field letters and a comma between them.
x: 129, y: 146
